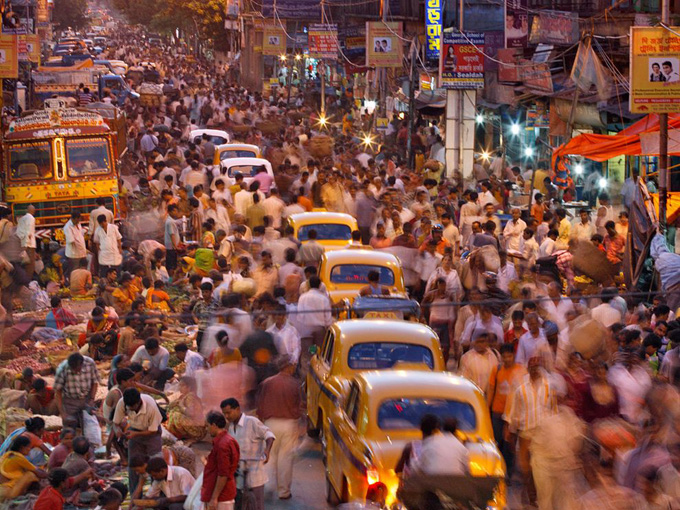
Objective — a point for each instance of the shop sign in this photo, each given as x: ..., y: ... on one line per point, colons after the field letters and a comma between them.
x: 323, y: 41
x: 555, y: 27
x: 433, y: 28
x: 273, y: 41
x: 9, y: 61
x: 461, y: 63
x: 516, y: 24
x: 383, y: 44
x: 654, y: 70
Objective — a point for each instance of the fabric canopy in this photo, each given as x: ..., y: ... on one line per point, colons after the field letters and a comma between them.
x: 672, y: 206
x: 626, y: 143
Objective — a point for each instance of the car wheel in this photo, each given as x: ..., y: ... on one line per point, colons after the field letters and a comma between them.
x: 331, y: 496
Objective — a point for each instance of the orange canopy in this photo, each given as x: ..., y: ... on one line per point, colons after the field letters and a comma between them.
x: 672, y: 206
x: 625, y: 143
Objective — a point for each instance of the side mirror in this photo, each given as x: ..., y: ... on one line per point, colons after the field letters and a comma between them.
x: 313, y: 349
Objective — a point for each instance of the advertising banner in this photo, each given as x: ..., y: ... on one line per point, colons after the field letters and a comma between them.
x: 323, y: 41
x: 273, y: 41
x: 654, y: 70
x: 42, y: 12
x: 33, y: 47
x: 353, y: 41
x: 293, y: 9
x: 555, y: 27
x: 9, y: 61
x: 433, y: 28
x: 461, y: 65
x: 383, y: 44
x: 516, y: 24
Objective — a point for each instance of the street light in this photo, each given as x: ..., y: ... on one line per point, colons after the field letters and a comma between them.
x: 602, y: 183
x: 528, y: 152
x: 578, y: 169
x: 479, y: 118
x: 367, y: 140
x: 283, y: 58
x: 323, y: 120
x: 514, y: 129
x: 298, y: 57
x: 486, y: 156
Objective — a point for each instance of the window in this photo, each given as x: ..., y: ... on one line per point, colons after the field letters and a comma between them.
x: 352, y: 405
x: 358, y: 273
x: 216, y: 140
x: 241, y: 153
x: 88, y: 156
x: 328, y: 355
x: 405, y: 413
x: 30, y: 161
x: 327, y: 231
x: 384, y: 355
x: 245, y: 170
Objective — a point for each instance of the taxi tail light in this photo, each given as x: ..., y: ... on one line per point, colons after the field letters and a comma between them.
x: 372, y: 476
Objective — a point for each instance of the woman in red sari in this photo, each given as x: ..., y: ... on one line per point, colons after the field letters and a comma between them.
x: 100, y: 323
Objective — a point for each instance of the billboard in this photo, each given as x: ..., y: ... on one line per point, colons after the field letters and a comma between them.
x: 555, y: 27
x: 273, y: 40
x: 654, y: 70
x: 433, y: 28
x: 292, y: 9
x: 323, y: 41
x: 461, y: 64
x: 354, y: 42
x: 516, y: 24
x: 9, y: 53
x: 383, y: 44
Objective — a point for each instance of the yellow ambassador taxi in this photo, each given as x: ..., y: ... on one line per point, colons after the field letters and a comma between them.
x: 235, y: 150
x: 351, y: 346
x: 381, y: 414
x: 345, y: 272
x: 333, y: 230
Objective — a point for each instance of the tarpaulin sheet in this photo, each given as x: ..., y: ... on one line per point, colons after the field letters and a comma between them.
x: 625, y: 143
x: 641, y: 230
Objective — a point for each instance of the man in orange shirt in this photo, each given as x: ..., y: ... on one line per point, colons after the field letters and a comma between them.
x: 537, y: 208
x: 503, y: 381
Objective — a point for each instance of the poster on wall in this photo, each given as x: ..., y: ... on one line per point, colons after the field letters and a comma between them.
x: 461, y: 65
x: 654, y: 70
x: 555, y: 27
x: 516, y: 24
x: 273, y: 40
x: 323, y: 41
x: 9, y: 61
x: 433, y: 28
x: 383, y: 44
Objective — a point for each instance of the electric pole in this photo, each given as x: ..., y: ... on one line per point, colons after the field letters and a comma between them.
x: 321, y: 68
x: 663, y: 142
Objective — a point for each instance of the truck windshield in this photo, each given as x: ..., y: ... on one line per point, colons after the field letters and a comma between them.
x: 30, y: 161
x: 88, y: 156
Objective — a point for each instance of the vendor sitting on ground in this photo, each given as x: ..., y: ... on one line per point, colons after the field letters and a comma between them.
x: 41, y: 399
x: 51, y: 497
x: 24, y: 380
x: 78, y: 462
x: 59, y: 317
x: 16, y: 470
x: 61, y: 451
x: 81, y: 281
x: 170, y: 484
x: 33, y: 429
x: 125, y: 294
x: 154, y: 359
x: 101, y: 323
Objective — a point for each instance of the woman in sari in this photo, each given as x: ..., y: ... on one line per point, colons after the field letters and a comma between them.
x: 17, y: 472
x: 185, y: 415
x: 125, y: 294
x: 157, y: 298
x: 33, y: 429
x: 101, y: 323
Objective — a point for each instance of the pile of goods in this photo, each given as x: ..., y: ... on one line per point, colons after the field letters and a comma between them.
x: 320, y: 146
x: 150, y: 94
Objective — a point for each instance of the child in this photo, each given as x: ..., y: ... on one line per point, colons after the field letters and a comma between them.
x: 529, y: 248
x: 513, y: 334
x: 110, y: 499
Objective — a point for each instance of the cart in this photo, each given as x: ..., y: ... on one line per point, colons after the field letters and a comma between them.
x: 448, y: 492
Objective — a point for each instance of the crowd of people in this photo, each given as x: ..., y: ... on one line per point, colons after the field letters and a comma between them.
x: 579, y: 423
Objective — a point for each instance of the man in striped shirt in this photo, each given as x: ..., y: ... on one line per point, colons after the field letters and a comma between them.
x: 531, y: 402
x: 84, y: 97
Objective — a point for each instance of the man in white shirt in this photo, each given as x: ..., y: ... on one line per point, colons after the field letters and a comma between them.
x: 506, y: 272
x: 101, y: 209
x: 219, y: 214
x: 274, y: 206
x: 109, y: 245
x: 477, y: 363
x: 441, y: 453
x: 451, y: 233
x: 314, y: 311
x: 548, y: 245
x: 170, y: 484
x: 286, y: 337
x: 531, y: 342
x: 75, y: 244
x: 193, y: 361
x: 513, y: 231
x: 485, y: 321
x: 242, y: 200
x: 605, y: 313
x: 584, y: 229
x: 154, y: 359
x: 25, y: 231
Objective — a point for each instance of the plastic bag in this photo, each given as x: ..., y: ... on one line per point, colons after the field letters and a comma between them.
x: 193, y: 501
x: 91, y: 429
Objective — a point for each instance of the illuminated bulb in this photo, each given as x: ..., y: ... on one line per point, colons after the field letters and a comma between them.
x: 514, y: 129
x: 298, y: 57
x: 602, y: 182
x: 486, y: 156
x: 479, y: 118
x: 322, y: 120
x: 368, y: 140
x: 578, y: 169
x: 283, y: 58
x: 528, y: 152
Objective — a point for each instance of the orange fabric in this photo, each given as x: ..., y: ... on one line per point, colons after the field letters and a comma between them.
x: 672, y: 206
x: 625, y: 143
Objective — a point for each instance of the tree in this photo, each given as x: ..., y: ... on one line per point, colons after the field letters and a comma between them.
x: 70, y: 13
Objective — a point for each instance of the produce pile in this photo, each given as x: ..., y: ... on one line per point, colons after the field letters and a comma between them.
x: 39, y: 357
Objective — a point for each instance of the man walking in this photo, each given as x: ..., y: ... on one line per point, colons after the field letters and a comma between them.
x: 75, y: 387
x: 255, y: 441
x: 109, y: 245
x: 143, y: 429
x: 218, y: 491
x: 25, y: 231
x: 278, y: 406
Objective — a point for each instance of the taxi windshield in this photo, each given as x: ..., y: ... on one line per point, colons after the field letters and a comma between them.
x: 88, y: 156
x: 237, y: 153
x: 384, y: 355
x: 326, y: 231
x: 30, y: 161
x: 406, y: 413
x: 245, y: 170
x: 358, y: 273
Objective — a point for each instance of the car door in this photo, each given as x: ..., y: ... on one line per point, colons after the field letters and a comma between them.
x: 319, y: 371
x: 342, y: 433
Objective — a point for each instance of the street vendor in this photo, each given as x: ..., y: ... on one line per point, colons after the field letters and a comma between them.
x: 75, y: 387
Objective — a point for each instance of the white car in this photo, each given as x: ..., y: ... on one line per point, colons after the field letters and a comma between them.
x: 217, y: 136
x: 248, y: 167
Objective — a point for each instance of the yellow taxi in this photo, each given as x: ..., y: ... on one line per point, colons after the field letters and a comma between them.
x: 381, y: 414
x: 235, y: 150
x: 333, y: 230
x: 345, y: 272
x: 351, y: 346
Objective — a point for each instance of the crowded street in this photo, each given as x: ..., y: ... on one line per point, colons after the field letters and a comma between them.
x: 255, y: 263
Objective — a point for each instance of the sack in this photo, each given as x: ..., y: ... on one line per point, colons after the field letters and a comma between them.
x: 193, y: 501
x: 91, y: 429
x: 587, y: 336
